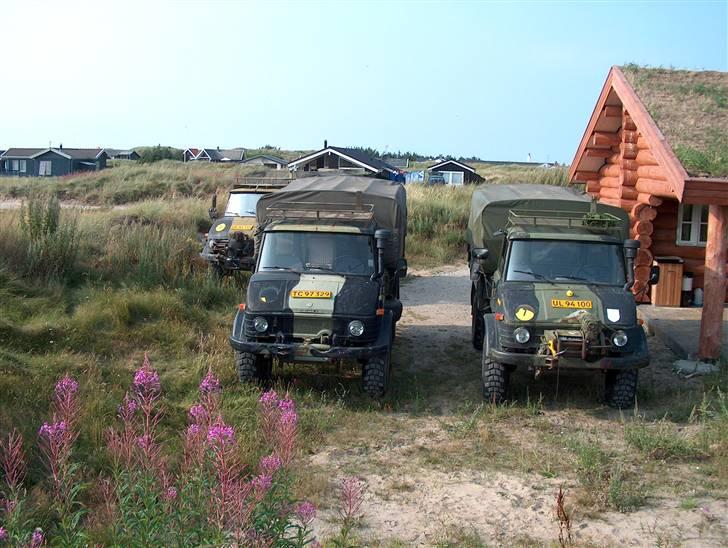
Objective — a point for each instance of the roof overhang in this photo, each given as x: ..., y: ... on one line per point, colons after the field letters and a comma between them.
x: 705, y: 190
x: 617, y: 87
x: 470, y: 169
x: 329, y: 150
x: 47, y: 150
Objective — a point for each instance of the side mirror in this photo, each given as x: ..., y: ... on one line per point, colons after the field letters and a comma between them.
x: 630, y: 248
x: 402, y: 268
x: 213, y: 208
x: 479, y: 253
x: 654, y: 275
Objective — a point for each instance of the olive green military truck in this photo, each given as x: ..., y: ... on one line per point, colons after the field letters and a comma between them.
x: 230, y: 243
x: 326, y: 283
x: 551, y: 274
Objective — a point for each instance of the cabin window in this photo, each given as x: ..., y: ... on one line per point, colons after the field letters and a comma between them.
x: 44, y: 167
x: 692, y: 224
x: 14, y: 165
x: 455, y: 178
x: 21, y: 166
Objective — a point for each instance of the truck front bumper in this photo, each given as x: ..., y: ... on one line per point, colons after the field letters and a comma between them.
x: 538, y: 361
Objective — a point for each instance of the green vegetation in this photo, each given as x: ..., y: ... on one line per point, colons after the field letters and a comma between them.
x: 712, y: 160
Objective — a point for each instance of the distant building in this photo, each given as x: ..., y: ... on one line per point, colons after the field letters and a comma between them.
x: 214, y: 155
x: 117, y: 154
x: 266, y: 160
x: 349, y: 160
x: 455, y: 173
x: 51, y: 162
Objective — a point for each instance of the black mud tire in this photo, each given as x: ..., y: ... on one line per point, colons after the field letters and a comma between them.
x: 252, y: 368
x: 375, y: 376
x: 477, y: 328
x: 621, y: 388
x: 495, y: 377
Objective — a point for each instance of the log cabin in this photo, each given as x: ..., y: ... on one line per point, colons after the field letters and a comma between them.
x: 656, y: 145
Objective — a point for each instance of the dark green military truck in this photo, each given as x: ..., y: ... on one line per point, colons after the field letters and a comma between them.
x: 326, y: 283
x: 551, y: 276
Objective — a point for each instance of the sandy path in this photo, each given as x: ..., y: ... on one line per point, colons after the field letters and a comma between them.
x: 415, y: 503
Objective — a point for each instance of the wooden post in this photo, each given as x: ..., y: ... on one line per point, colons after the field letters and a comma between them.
x: 711, y: 321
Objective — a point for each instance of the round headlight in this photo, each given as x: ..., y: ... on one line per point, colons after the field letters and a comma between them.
x: 521, y: 335
x: 260, y: 324
x: 619, y: 338
x: 356, y: 328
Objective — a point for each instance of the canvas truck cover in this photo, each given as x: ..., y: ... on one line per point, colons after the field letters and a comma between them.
x: 387, y: 200
x: 491, y: 205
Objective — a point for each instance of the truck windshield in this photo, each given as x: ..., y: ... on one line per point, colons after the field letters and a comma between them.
x: 340, y: 253
x: 241, y: 204
x: 560, y: 261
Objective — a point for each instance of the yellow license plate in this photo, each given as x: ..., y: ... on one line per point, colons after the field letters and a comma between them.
x: 570, y: 303
x: 310, y: 294
x: 240, y: 226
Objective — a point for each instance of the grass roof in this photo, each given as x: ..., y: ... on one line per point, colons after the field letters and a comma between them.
x: 691, y: 110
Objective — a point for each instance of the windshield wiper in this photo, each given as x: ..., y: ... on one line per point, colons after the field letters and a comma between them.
x: 534, y: 274
x: 310, y: 266
x: 577, y: 278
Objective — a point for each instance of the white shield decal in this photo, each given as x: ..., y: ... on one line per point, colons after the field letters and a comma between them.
x: 613, y: 314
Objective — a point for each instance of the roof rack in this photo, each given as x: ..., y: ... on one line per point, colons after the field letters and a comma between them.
x: 321, y: 211
x: 260, y: 183
x: 572, y: 219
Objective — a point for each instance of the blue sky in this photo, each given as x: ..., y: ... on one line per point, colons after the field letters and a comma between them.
x: 496, y: 80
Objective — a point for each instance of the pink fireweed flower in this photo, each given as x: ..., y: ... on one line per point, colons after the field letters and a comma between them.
x: 210, y: 384
x: 262, y: 484
x: 306, y: 512
x: 37, y: 539
x: 199, y: 413
x: 289, y: 418
x: 54, y: 432
x: 270, y: 465
x: 269, y: 397
x: 128, y: 407
x: 170, y: 493
x: 144, y: 441
x: 193, y: 430
x: 66, y: 387
x: 286, y: 405
x: 220, y: 434
x: 3, y: 534
x: 146, y: 379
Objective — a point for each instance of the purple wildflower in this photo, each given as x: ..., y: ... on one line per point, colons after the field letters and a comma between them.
x: 289, y: 418
x: 198, y: 412
x: 170, y: 493
x: 220, y: 434
x: 269, y: 397
x: 286, y: 405
x: 270, y: 464
x: 3, y: 534
x: 146, y: 379
x: 262, y: 483
x: 193, y: 430
x: 54, y: 431
x: 127, y: 408
x: 306, y: 512
x: 144, y: 441
x: 37, y: 539
x: 66, y: 387
x: 210, y: 384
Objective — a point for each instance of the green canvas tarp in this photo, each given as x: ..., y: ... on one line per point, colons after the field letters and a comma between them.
x: 491, y: 205
x: 387, y: 200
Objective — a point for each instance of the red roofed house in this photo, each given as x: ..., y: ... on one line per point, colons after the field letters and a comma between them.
x: 657, y: 146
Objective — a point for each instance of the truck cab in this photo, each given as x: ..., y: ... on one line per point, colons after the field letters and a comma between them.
x: 321, y: 291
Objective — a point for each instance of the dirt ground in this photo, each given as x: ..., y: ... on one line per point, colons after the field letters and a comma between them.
x: 426, y: 476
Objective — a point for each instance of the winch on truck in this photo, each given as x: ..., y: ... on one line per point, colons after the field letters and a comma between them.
x: 552, y: 273
x: 230, y: 244
x: 326, y: 282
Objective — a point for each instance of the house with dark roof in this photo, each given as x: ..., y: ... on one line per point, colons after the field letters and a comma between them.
x: 51, y: 162
x: 455, y: 173
x: 267, y: 161
x: 119, y: 154
x: 348, y: 160
x: 216, y: 154
x: 656, y: 145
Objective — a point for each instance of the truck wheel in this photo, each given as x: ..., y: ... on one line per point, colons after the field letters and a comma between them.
x: 496, y: 377
x: 252, y: 368
x: 375, y: 376
x: 477, y: 328
x: 620, y: 388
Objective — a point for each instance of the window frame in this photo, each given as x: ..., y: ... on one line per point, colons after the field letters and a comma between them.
x: 447, y: 175
x: 695, y: 226
x: 45, y: 168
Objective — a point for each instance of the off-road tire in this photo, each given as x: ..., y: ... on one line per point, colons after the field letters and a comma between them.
x: 477, y: 328
x: 495, y: 377
x: 252, y: 368
x: 375, y: 376
x: 620, y: 388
